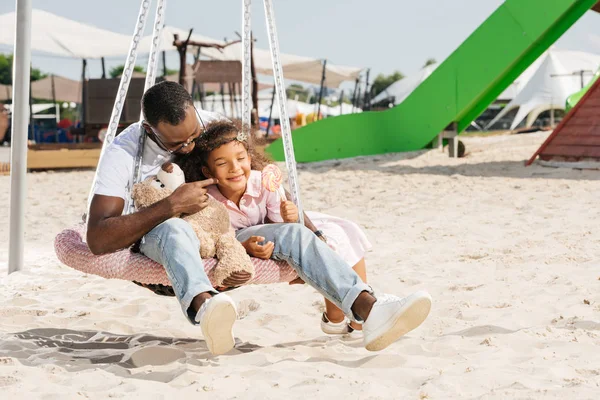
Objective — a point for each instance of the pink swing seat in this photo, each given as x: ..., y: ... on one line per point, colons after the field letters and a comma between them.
x: 72, y: 251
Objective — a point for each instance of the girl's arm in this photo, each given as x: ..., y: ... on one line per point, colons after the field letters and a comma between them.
x: 308, y: 223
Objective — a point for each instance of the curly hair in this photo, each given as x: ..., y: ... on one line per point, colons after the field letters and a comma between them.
x: 216, y: 134
x: 166, y: 102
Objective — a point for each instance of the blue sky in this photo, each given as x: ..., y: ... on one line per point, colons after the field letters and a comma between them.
x: 384, y: 35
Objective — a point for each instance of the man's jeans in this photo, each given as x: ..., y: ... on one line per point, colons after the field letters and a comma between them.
x: 174, y: 245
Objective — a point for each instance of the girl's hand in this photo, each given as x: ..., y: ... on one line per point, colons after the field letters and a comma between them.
x: 289, y: 211
x: 264, y: 251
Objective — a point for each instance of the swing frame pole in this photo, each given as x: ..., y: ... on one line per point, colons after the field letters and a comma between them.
x: 18, y: 159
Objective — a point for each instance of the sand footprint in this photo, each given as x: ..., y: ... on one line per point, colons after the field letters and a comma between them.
x: 156, y: 355
x: 246, y: 306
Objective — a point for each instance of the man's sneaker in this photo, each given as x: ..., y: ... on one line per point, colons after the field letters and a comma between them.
x: 216, y: 318
x: 392, y: 317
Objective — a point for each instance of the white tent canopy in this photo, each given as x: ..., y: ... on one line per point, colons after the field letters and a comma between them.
x: 60, y: 36
x: 556, y: 78
x: 399, y: 90
x: 298, y: 68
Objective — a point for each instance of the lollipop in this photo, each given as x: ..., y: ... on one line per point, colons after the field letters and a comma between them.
x: 271, y: 180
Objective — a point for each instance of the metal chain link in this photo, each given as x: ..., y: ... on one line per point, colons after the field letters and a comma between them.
x: 159, y: 23
x: 127, y: 73
x: 286, y: 133
x: 123, y: 86
x: 246, y: 64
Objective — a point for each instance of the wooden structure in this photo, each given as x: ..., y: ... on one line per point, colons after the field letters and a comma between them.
x: 63, y: 155
x: 59, y: 156
x: 212, y: 75
x: 577, y: 137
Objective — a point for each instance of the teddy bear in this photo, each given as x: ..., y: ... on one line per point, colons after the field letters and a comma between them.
x: 211, y: 225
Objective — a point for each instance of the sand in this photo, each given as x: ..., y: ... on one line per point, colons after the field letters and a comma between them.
x: 510, y: 255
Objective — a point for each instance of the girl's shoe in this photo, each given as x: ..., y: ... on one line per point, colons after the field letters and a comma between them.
x: 336, y: 328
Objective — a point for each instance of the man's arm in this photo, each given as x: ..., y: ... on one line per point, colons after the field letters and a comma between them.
x: 109, y: 231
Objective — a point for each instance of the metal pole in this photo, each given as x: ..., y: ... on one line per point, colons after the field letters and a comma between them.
x: 254, y: 85
x: 83, y: 97
x: 367, y: 92
x: 18, y: 158
x: 103, y: 68
x: 270, y: 112
x: 321, y: 89
x: 223, y: 98
x: 31, y: 127
x: 56, y: 108
x: 342, y: 103
x: 354, y: 95
x: 231, y: 105
x: 164, y: 57
x: 238, y: 105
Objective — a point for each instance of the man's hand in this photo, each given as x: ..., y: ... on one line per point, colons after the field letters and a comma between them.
x: 190, y: 198
x: 289, y: 211
x: 167, y: 167
x: 264, y: 251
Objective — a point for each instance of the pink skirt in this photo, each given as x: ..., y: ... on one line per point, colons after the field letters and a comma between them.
x: 343, y: 236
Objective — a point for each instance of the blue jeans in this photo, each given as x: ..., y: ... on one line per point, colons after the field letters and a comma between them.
x: 314, y: 262
x: 174, y: 245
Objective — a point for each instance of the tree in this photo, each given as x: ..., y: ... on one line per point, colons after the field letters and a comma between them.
x: 6, y: 62
x: 383, y: 81
x: 169, y: 71
x: 5, y: 69
x: 430, y: 61
x: 297, y: 89
x: 115, y: 72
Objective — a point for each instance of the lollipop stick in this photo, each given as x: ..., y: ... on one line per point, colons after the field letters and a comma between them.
x: 282, y: 193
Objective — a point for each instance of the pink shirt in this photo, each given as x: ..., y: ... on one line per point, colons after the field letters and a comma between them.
x: 256, y: 204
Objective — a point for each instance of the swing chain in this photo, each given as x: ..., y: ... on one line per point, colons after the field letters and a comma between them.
x: 152, y: 61
x: 286, y: 133
x: 246, y: 65
x: 127, y: 73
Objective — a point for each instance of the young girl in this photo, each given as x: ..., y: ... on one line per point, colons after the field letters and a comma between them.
x: 222, y: 152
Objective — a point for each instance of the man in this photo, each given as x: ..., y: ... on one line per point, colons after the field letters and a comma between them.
x: 171, y: 124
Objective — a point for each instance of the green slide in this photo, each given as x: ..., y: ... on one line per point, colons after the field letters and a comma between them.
x: 573, y: 99
x: 462, y: 87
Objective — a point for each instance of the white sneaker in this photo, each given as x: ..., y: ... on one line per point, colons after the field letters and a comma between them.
x: 216, y: 318
x: 392, y: 317
x: 335, y: 328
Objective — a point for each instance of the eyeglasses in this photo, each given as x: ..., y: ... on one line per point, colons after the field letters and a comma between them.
x: 180, y: 147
